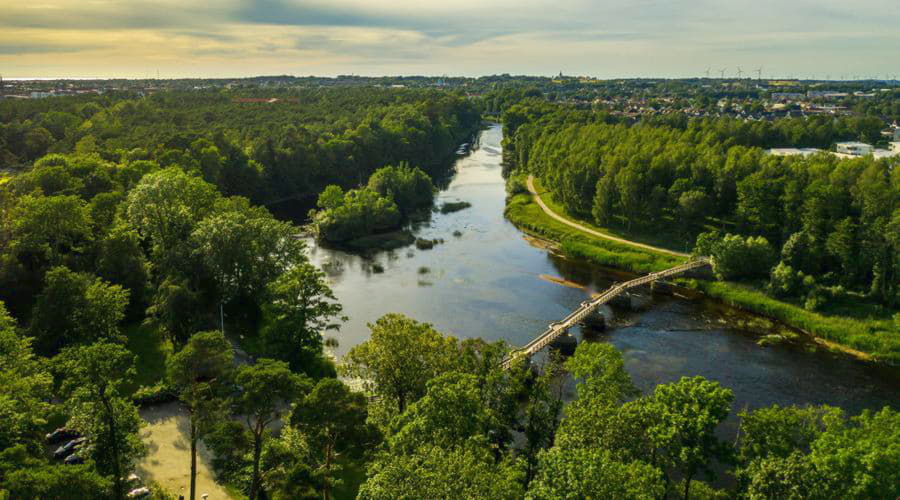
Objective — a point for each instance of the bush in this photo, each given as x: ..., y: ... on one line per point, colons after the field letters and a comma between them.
x: 784, y: 281
x: 735, y: 257
x: 154, y: 395
x: 454, y: 206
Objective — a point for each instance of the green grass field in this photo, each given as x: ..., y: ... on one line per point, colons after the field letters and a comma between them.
x: 151, y: 350
x: 855, y: 327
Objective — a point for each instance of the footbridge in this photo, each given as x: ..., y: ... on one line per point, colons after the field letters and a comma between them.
x: 555, y: 330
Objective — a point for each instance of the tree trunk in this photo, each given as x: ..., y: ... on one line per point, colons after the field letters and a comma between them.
x: 114, y: 447
x: 325, y: 478
x: 687, y: 487
x: 193, y: 459
x: 257, y: 451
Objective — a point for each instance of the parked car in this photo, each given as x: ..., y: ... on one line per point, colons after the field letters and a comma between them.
x: 142, y: 492
x: 75, y: 458
x: 67, y: 449
x: 60, y: 435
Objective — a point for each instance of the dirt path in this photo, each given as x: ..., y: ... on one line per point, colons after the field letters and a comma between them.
x: 168, y: 459
x: 551, y: 213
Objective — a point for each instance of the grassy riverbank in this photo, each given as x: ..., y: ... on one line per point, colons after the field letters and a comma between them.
x: 869, y: 337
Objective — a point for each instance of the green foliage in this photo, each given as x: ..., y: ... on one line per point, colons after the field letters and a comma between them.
x: 264, y: 389
x: 735, y: 257
x: 299, y: 309
x: 25, y: 386
x: 399, y: 359
x: 409, y: 187
x: 332, y: 421
x: 76, y: 308
x: 94, y: 377
x: 593, y: 473
x: 361, y: 212
x: 76, y: 482
x: 435, y: 472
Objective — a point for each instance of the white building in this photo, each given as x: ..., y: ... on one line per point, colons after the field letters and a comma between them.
x: 854, y: 148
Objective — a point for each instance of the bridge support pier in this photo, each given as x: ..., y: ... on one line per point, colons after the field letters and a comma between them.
x: 622, y: 300
x: 565, y: 344
x: 661, y: 288
x: 595, y: 321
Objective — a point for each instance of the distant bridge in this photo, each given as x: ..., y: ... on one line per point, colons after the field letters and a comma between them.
x: 555, y: 330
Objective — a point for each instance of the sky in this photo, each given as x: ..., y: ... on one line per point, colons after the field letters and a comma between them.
x: 600, y: 38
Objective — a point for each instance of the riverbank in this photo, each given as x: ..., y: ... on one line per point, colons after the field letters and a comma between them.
x: 870, y: 339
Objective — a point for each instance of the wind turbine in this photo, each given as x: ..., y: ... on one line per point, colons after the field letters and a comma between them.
x: 707, y: 72
x: 759, y: 73
x: 722, y: 73
x: 739, y: 72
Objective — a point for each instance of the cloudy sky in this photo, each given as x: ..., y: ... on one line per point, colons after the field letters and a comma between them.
x: 603, y: 38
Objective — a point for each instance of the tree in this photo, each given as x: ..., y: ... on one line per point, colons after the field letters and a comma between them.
x: 542, y: 412
x: 265, y: 389
x: 409, y: 187
x: 436, y: 472
x: 94, y: 376
x: 25, y: 387
x: 399, y: 358
x: 689, y: 412
x: 593, y: 473
x: 299, y: 309
x: 176, y: 309
x: 200, y: 372
x: 76, y: 308
x: 121, y: 261
x: 50, y: 227
x: 333, y: 420
x: 75, y: 482
x: 164, y: 208
x: 331, y: 197
x: 244, y: 249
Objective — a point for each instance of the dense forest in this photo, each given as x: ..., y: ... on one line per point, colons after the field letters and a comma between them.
x: 293, y: 146
x: 132, y: 230
x: 818, y: 227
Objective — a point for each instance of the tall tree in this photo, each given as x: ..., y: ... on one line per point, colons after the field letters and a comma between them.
x: 333, y: 420
x: 300, y: 308
x: 266, y: 389
x: 400, y: 357
x: 93, y: 379
x: 200, y: 372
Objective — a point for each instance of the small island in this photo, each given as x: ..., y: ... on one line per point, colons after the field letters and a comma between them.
x: 373, y: 216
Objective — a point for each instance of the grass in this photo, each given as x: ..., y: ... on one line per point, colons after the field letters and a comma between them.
x: 527, y: 215
x: 852, y: 326
x: 152, y: 350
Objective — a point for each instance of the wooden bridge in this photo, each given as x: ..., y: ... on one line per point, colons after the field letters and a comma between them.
x: 555, y: 330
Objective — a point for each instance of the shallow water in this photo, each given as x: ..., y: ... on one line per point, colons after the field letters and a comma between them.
x: 490, y: 282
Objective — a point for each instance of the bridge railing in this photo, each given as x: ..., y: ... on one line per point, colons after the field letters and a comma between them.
x: 558, y: 328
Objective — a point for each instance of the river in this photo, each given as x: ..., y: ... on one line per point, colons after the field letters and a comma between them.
x: 491, y: 282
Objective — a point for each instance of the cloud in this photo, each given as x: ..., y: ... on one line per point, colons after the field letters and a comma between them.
x: 598, y: 37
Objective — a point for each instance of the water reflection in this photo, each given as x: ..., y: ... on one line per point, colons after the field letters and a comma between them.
x: 487, y: 282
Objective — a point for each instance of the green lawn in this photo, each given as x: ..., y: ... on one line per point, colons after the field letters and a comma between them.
x: 151, y: 349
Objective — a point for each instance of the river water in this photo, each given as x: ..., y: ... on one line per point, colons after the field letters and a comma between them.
x: 491, y: 282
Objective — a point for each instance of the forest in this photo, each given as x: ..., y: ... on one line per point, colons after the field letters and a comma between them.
x: 138, y: 266
x: 265, y: 151
x: 818, y: 231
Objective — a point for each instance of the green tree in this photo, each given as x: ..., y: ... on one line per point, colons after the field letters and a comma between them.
x: 94, y: 376
x: 164, y: 207
x: 266, y: 388
x: 593, y: 473
x: 688, y: 413
x: 399, y: 358
x: 200, y: 373
x: 76, y: 308
x: 244, y: 249
x: 333, y: 420
x: 50, y: 227
x: 300, y: 307
x: 436, y: 472
x: 75, y: 482
x: 25, y: 387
